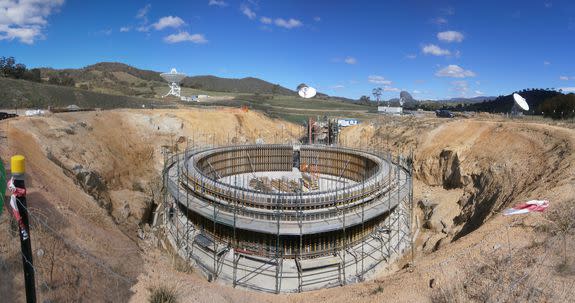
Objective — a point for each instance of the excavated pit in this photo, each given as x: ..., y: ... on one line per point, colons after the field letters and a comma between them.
x: 466, y: 172
x: 93, y: 171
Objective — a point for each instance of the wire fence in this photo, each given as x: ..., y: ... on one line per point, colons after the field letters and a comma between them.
x: 57, y: 275
x: 498, y: 271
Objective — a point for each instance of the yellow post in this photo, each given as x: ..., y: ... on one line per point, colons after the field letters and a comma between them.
x: 17, y: 164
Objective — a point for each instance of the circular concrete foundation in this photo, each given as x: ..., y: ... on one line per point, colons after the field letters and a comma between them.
x: 245, y: 212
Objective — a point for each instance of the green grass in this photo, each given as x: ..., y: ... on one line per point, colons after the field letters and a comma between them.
x: 26, y: 94
x: 293, y: 102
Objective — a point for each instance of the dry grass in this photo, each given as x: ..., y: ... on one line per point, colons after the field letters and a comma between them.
x: 162, y: 294
x: 379, y: 289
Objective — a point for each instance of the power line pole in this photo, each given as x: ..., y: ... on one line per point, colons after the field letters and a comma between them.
x: 17, y: 188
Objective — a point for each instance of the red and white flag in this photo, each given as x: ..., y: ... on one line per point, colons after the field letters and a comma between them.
x: 527, y: 207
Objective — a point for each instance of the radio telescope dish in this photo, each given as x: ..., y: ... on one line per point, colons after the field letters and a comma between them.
x: 405, y: 97
x: 174, y: 79
x: 520, y: 101
x: 307, y: 92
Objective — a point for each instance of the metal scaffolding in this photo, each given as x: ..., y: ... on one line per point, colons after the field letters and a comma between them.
x: 281, y: 258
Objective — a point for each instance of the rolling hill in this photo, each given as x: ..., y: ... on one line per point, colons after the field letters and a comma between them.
x: 122, y: 79
x: 28, y: 94
x: 247, y: 85
x: 502, y: 104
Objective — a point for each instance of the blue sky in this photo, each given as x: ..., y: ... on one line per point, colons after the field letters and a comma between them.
x: 433, y: 49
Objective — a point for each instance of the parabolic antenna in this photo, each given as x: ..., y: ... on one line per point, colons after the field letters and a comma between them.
x: 520, y: 101
x: 174, y: 78
x: 307, y: 92
x: 405, y: 97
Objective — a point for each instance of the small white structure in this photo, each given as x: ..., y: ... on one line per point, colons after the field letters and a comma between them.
x: 347, y: 122
x: 34, y: 112
x: 174, y: 79
x: 73, y: 107
x: 390, y: 110
x: 188, y: 99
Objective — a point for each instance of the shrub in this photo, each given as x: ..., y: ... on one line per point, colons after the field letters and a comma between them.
x: 162, y: 294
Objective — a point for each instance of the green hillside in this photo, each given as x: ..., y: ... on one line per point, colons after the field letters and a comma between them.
x: 122, y: 79
x: 28, y: 94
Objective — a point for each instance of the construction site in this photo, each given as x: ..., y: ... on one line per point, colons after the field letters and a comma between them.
x: 228, y: 205
x: 287, y: 218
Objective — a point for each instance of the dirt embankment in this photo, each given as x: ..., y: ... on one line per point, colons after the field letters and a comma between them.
x: 480, y: 167
x: 92, y: 181
x: 465, y: 173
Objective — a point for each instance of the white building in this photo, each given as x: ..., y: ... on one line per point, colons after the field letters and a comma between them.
x: 390, y: 110
x: 347, y: 122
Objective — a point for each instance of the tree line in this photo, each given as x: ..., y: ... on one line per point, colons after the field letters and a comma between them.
x: 9, y: 68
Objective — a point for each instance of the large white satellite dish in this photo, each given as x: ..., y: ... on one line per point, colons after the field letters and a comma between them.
x: 307, y: 92
x: 520, y: 101
x: 173, y: 78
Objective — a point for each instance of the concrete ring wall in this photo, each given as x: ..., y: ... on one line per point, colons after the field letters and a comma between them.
x: 311, y: 223
x: 287, y: 241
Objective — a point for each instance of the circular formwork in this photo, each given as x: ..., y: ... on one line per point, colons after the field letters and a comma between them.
x: 308, y: 206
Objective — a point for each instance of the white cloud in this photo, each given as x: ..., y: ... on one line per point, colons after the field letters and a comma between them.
x: 454, y: 71
x: 566, y: 78
x: 350, y: 60
x: 248, y: 12
x: 25, y: 34
x: 185, y: 37
x: 317, y: 19
x: 143, y: 12
x: 448, y: 10
x: 339, y: 86
x: 168, y: 21
x: 450, y: 36
x: 105, y: 32
x: 548, y: 4
x: 479, y: 93
x: 219, y: 3
x: 266, y: 20
x: 25, y: 20
x: 439, y: 21
x: 461, y: 87
x: 411, y: 56
x: 289, y: 24
x: 125, y: 29
x: 415, y: 91
x: 435, y: 50
x: 568, y: 89
x: 546, y: 62
x: 375, y: 79
x: 391, y: 89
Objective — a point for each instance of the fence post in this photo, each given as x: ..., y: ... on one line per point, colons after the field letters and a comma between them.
x: 17, y: 188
